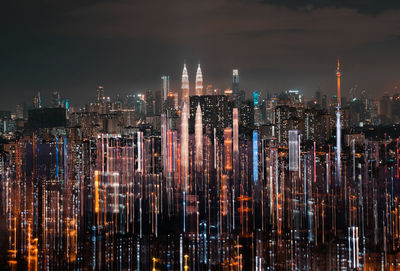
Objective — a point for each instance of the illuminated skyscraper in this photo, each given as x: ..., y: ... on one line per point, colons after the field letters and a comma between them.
x: 235, y: 81
x: 19, y: 111
x: 185, y: 86
x: 37, y: 101
x: 235, y: 86
x: 55, y: 99
x: 165, y: 86
x: 185, y: 146
x: 256, y: 98
x: 257, y: 113
x: 198, y: 126
x: 199, y: 82
x: 100, y: 94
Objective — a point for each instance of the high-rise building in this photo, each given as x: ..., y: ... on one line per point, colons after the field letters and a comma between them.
x: 19, y: 111
x: 216, y: 112
x: 236, y: 95
x: 324, y: 102
x: 318, y: 97
x: 37, y: 101
x: 235, y: 81
x: 185, y: 86
x: 385, y: 108
x: 5, y: 119
x: 150, y: 103
x: 246, y: 118
x: 100, y: 94
x: 157, y: 102
x: 55, y: 102
x: 209, y: 90
x: 164, y: 86
x: 199, y: 82
x: 257, y: 113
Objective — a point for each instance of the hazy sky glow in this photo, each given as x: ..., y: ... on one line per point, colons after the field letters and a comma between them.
x: 127, y: 45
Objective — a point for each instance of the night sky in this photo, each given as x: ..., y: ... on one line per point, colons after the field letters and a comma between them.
x: 72, y: 46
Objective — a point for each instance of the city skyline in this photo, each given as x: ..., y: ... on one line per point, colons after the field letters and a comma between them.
x: 191, y: 88
x: 199, y: 179
x: 225, y: 135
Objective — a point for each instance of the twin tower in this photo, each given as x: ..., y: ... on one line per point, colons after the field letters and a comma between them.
x: 185, y: 84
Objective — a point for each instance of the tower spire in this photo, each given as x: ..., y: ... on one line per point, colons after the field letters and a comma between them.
x: 338, y: 74
x: 185, y: 85
x: 199, y: 81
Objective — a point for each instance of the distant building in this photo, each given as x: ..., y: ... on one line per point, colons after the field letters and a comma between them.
x: 164, y: 87
x: 385, y: 109
x: 199, y: 82
x: 235, y: 85
x: 6, y: 123
x: 19, y: 111
x: 47, y: 118
x: 55, y: 100
x: 246, y: 115
x: 216, y: 110
x: 37, y: 101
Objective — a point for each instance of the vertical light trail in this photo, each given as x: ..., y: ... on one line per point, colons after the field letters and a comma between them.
x: 96, y: 191
x: 235, y: 144
x: 293, y: 150
x: 65, y: 160
x: 185, y: 145
x: 338, y: 146
x: 315, y: 163
x: 397, y: 158
x: 228, y: 148
x: 338, y: 74
x: 338, y: 127
x: 139, y: 144
x: 235, y: 130
x: 215, y: 148
x: 170, y: 161
x: 255, y: 156
x: 173, y: 150
x: 165, y: 143
x: 329, y: 166
x: 199, y: 140
x: 57, y: 157
x: 353, y: 152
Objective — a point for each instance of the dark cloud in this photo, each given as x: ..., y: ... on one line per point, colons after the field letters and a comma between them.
x: 363, y: 6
